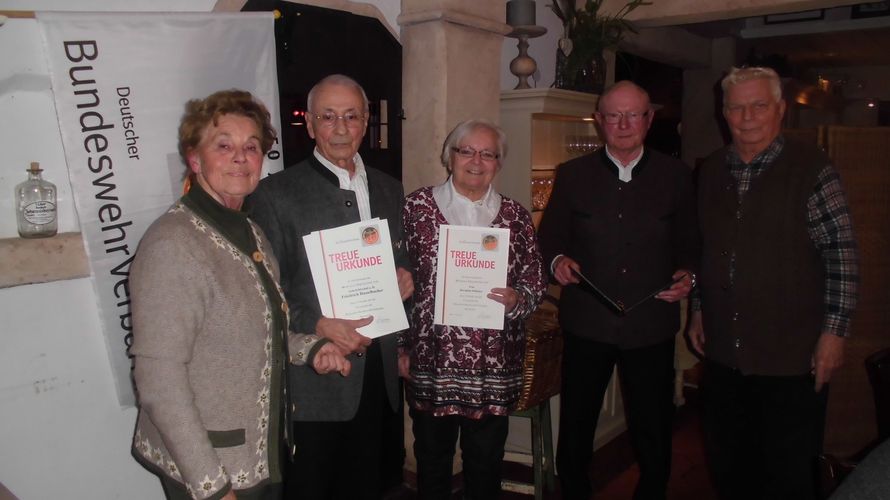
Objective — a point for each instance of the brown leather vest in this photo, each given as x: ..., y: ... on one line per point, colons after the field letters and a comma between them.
x: 767, y: 318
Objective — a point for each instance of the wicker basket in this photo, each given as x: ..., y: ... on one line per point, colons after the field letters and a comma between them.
x: 542, y: 364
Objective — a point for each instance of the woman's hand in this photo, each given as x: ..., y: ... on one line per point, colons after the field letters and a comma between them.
x: 506, y: 296
x: 404, y: 364
x: 230, y: 496
x: 406, y: 283
x: 330, y: 358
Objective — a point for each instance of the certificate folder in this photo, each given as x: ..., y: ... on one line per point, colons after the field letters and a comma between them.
x: 617, y: 306
x: 354, y: 273
x: 470, y: 262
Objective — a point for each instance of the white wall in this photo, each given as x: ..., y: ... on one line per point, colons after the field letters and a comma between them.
x: 63, y: 434
x: 110, y: 5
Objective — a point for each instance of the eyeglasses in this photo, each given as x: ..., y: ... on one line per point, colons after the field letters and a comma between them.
x: 350, y: 119
x: 484, y: 155
x: 630, y: 116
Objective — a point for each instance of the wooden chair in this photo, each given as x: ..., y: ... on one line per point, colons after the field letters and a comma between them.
x: 541, y: 380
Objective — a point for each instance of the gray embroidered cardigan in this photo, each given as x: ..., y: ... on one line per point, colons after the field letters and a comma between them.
x: 209, y: 325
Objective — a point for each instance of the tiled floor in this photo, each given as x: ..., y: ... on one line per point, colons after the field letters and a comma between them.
x: 614, y: 473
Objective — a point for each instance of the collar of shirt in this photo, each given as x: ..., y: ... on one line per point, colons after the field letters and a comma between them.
x: 759, y: 163
x: 625, y: 171
x: 342, y: 174
x: 461, y: 211
x: 358, y: 183
x: 744, y: 174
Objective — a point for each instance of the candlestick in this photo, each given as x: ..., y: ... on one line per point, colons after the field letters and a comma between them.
x: 521, y: 12
x: 523, y: 65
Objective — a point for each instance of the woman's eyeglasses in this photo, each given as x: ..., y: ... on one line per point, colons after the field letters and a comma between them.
x: 469, y: 153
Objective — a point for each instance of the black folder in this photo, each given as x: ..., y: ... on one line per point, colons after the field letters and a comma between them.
x: 618, y: 306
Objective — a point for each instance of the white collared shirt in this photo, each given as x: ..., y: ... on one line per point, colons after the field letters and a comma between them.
x: 461, y: 211
x: 625, y: 171
x: 358, y: 183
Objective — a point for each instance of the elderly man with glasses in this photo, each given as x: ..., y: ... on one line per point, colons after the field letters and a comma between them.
x: 337, y: 421
x: 780, y: 274
x: 620, y: 225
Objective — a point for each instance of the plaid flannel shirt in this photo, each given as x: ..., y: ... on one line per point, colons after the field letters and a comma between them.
x: 829, y: 226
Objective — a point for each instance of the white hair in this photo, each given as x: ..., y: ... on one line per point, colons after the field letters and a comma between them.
x: 464, y: 129
x: 336, y: 79
x: 739, y: 75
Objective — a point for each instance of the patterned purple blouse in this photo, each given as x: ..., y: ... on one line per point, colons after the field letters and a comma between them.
x: 466, y: 371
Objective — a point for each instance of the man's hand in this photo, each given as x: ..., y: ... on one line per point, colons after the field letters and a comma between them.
x: 562, y: 271
x: 329, y: 359
x: 680, y: 289
x: 828, y: 357
x: 404, y: 364
x: 697, y: 333
x: 406, y: 283
x: 506, y: 296
x: 343, y: 333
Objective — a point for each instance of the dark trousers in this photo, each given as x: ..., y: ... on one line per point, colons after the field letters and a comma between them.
x: 482, y: 451
x: 763, y: 434
x: 342, y: 460
x: 647, y: 376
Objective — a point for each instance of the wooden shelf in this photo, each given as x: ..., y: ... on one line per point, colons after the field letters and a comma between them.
x: 26, y: 261
x: 539, y: 124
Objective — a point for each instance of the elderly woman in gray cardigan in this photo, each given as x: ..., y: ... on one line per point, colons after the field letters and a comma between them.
x: 210, y: 320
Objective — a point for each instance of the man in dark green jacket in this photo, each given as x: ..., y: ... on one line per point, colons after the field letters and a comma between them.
x: 338, y: 421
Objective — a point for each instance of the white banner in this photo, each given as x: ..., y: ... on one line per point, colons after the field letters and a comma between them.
x: 120, y: 83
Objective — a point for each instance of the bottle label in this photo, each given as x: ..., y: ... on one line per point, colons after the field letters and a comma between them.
x: 39, y: 212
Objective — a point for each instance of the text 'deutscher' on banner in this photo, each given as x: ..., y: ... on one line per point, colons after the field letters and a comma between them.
x: 120, y: 83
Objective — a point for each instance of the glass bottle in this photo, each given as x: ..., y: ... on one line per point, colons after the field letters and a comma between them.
x: 35, y: 205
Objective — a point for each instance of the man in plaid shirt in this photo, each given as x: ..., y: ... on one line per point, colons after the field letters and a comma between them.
x: 778, y: 285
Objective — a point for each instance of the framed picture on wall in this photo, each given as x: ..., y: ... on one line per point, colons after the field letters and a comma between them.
x: 793, y: 17
x: 871, y: 9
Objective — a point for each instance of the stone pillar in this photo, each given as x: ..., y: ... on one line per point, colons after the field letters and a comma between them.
x: 451, y: 54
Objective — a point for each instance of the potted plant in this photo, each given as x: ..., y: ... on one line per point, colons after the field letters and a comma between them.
x: 586, y: 34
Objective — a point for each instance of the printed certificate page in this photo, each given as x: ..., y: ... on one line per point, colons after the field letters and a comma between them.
x: 471, y: 261
x: 354, y: 272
